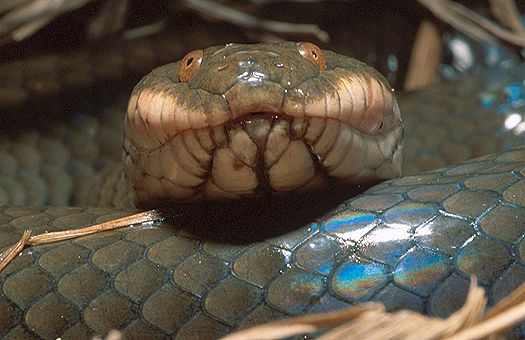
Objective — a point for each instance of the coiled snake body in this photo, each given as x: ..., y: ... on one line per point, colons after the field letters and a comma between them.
x: 411, y: 243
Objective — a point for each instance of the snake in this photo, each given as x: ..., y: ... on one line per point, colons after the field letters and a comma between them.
x: 287, y: 246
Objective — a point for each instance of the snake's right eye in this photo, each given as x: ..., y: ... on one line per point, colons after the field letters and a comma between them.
x: 190, y: 64
x: 313, y: 53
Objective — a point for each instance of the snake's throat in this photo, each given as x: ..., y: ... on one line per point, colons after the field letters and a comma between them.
x: 261, y: 155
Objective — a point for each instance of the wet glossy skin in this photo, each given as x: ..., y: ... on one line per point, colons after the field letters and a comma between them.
x: 411, y: 243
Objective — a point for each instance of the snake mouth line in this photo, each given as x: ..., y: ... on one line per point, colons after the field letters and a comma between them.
x: 273, y: 116
x: 270, y: 116
x: 297, y: 127
x: 258, y: 113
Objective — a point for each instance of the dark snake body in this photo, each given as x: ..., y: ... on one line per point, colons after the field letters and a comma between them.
x: 410, y: 243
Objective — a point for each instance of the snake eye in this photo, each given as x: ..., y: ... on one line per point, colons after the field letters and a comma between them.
x: 313, y: 53
x: 190, y: 64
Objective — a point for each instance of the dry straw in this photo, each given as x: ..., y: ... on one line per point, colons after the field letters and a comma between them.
x: 370, y: 321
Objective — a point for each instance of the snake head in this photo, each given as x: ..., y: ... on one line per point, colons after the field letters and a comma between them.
x: 238, y: 121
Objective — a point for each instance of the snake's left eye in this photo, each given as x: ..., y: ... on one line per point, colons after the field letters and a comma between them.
x: 313, y: 53
x: 190, y: 64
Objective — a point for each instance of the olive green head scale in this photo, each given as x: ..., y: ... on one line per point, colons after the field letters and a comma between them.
x: 237, y: 121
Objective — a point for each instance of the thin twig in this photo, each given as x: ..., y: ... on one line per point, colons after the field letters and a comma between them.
x: 29, y: 16
x: 507, y: 13
x: 470, y: 322
x: 471, y: 23
x: 110, y: 19
x: 517, y: 296
x: 492, y: 325
x: 304, y: 324
x: 223, y: 13
x: 443, y: 12
x: 514, y: 37
x: 10, y: 253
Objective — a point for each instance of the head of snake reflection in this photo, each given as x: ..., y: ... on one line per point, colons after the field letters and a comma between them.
x: 242, y: 121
